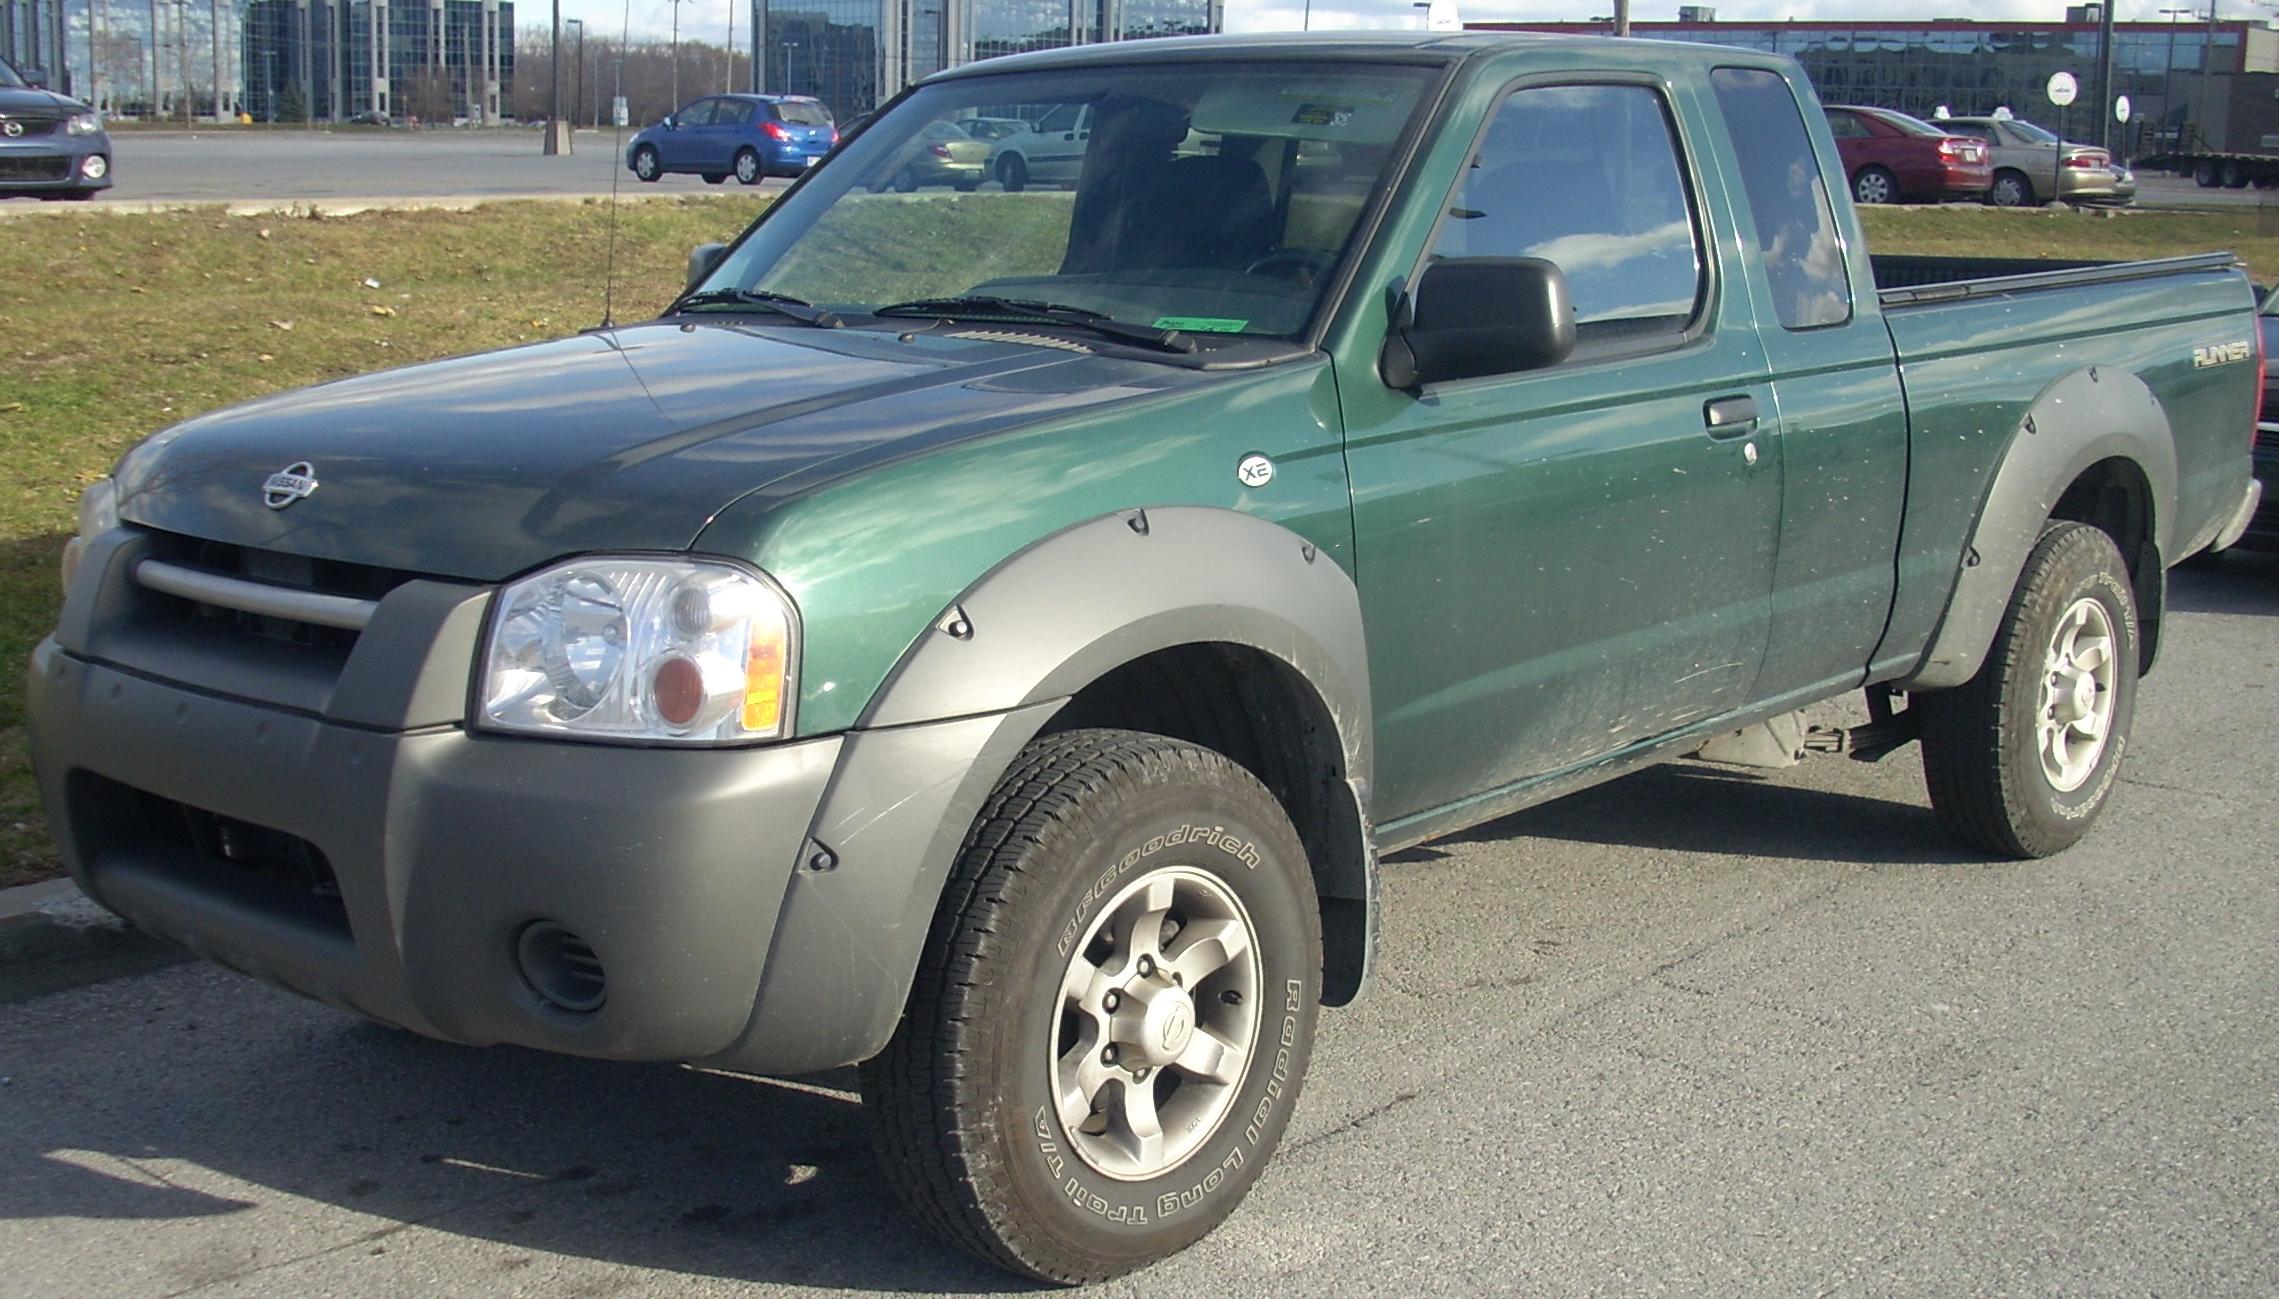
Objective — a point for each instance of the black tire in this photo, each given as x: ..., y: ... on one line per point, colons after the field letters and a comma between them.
x: 2234, y: 176
x: 715, y: 177
x: 906, y: 181
x: 646, y: 166
x: 2010, y: 189
x: 1875, y: 185
x: 968, y: 184
x: 2204, y: 174
x: 1012, y: 173
x: 749, y: 169
x: 1982, y: 757
x: 962, y: 1103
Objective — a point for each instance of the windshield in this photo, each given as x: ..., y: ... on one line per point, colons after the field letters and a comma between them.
x: 8, y: 78
x: 1207, y: 198
x: 2029, y: 131
x: 1911, y: 125
x: 802, y: 112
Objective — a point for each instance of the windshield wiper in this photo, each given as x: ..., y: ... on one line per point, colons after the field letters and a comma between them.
x: 982, y: 306
x: 782, y: 304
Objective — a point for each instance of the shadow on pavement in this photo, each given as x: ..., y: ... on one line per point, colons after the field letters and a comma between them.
x: 2241, y: 582
x: 1692, y: 807
x: 704, y: 1174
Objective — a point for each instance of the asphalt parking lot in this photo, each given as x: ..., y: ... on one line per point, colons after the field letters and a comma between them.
x: 224, y: 166
x: 1697, y: 1032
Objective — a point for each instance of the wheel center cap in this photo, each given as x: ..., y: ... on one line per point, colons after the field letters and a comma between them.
x: 2076, y: 697
x: 1163, y: 1026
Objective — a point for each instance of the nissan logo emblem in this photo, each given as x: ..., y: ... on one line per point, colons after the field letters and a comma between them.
x: 292, y: 483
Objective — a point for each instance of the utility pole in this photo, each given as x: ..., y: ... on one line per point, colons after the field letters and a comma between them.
x: 1622, y: 17
x: 217, y: 58
x: 578, y: 93
x: 2105, y: 74
x: 676, y: 55
x: 728, y: 56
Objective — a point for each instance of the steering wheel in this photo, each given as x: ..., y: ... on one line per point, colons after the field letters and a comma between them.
x: 1303, y: 265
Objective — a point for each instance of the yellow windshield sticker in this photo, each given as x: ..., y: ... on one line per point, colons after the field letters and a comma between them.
x: 1202, y: 324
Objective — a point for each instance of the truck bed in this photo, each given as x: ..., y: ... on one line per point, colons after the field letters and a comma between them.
x: 1902, y: 281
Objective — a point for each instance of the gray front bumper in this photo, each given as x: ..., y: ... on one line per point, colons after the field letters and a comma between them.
x: 670, y: 864
x: 336, y: 829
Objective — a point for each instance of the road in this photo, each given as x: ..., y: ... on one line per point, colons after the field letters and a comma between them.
x: 283, y: 166
x: 1698, y: 1032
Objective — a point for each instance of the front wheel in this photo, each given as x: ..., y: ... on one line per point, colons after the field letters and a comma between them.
x: 1012, y: 173
x: 2021, y: 758
x: 1875, y: 185
x: 646, y: 165
x: 1113, y: 1015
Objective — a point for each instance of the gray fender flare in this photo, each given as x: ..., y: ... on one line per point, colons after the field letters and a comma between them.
x: 982, y: 681
x: 2088, y: 416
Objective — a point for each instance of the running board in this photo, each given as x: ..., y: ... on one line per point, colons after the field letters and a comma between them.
x: 1786, y: 740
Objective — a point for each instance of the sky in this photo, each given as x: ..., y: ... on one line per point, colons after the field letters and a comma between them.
x: 709, y: 19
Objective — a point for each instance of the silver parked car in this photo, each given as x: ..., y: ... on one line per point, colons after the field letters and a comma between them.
x: 2031, y: 165
x: 1049, y: 153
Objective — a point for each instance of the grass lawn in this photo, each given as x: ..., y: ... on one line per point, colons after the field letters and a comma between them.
x: 122, y: 324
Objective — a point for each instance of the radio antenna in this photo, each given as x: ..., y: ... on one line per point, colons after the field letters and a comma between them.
x: 616, y: 167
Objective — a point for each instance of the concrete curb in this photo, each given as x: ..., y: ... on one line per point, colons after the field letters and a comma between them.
x: 53, y: 937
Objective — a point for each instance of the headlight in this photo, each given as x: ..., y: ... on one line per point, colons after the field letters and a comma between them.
x: 98, y: 513
x: 83, y: 124
x: 671, y: 650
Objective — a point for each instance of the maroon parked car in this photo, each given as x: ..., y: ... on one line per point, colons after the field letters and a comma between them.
x: 1891, y: 156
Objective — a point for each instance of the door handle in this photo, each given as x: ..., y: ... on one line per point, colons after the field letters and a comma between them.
x: 1730, y: 417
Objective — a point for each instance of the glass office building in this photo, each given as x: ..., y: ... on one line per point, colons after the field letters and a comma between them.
x: 273, y: 60
x: 856, y: 54
x: 1974, y: 67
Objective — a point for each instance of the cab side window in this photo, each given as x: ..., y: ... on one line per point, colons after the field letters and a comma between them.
x: 1844, y: 126
x: 1794, y: 224
x: 696, y: 114
x: 732, y: 112
x: 1588, y: 177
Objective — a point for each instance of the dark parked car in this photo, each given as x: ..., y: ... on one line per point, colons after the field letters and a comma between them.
x: 2263, y: 530
x: 51, y: 146
x: 745, y: 136
x: 1890, y: 157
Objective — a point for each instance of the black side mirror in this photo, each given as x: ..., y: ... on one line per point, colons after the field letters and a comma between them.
x: 1470, y: 316
x: 701, y: 262
x: 36, y: 78
x: 671, y: 123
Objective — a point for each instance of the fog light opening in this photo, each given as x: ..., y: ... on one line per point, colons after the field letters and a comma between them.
x: 95, y: 167
x: 561, y: 968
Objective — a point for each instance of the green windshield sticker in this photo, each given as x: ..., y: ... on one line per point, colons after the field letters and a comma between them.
x: 1202, y: 324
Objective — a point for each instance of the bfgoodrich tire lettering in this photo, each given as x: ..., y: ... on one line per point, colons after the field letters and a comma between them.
x: 962, y: 1101
x: 2021, y: 758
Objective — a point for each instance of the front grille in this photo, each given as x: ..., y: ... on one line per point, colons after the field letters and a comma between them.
x: 270, y: 568
x: 280, y: 874
x: 32, y: 127
x: 34, y: 168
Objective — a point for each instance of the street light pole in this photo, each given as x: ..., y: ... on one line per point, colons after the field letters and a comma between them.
x: 676, y: 56
x: 578, y: 95
x: 2168, y: 79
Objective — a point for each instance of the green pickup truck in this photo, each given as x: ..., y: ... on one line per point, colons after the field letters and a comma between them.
x: 990, y: 637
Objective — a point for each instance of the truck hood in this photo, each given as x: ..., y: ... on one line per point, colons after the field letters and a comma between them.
x: 631, y: 439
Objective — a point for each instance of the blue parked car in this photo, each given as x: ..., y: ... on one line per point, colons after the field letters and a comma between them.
x: 51, y: 146
x: 745, y: 136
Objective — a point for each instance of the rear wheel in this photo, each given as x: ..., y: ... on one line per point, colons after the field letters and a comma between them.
x: 1113, y: 1016
x: 1875, y: 185
x: 1013, y: 173
x: 2011, y: 189
x: 2235, y: 176
x: 2021, y: 758
x: 906, y: 181
x: 2204, y: 174
x: 748, y: 169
